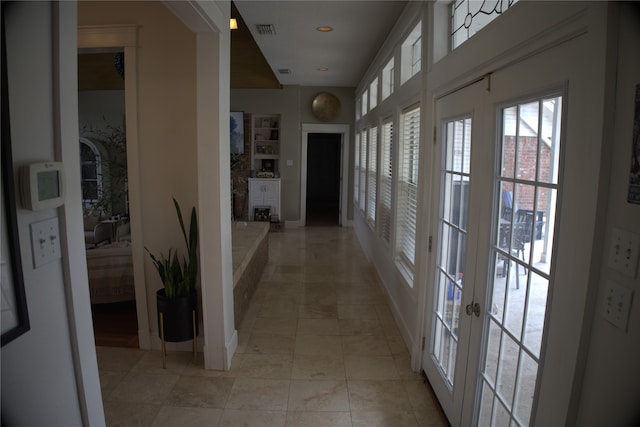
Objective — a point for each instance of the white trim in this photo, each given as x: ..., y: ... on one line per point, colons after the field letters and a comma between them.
x: 344, y: 130
x: 110, y: 36
x: 107, y: 36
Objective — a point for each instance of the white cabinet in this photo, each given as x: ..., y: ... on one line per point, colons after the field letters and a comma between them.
x: 265, y: 145
x: 264, y: 193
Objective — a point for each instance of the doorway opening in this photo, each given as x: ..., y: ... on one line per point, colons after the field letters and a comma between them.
x: 323, y: 179
x: 341, y: 133
x: 105, y: 197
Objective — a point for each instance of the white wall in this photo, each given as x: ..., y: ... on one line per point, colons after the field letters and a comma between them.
x: 611, y: 388
x: 40, y: 381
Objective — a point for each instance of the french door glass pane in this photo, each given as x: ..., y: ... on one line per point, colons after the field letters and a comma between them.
x: 524, y: 219
x: 455, y: 178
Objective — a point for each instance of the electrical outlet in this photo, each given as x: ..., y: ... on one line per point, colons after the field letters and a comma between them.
x: 623, y: 254
x: 617, y: 305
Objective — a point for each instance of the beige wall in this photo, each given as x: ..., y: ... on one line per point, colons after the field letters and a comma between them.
x: 294, y: 104
x: 166, y: 60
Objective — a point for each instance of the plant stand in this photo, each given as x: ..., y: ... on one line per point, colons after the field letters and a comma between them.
x: 177, y: 321
x: 164, y: 348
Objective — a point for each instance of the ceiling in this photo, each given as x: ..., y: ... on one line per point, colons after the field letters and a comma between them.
x: 359, y: 29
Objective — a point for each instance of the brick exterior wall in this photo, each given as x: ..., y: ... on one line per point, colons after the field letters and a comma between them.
x: 527, y: 154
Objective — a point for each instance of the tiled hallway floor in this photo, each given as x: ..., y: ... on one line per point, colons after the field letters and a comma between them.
x: 318, y: 347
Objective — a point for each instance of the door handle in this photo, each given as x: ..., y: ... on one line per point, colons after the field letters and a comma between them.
x: 473, y: 308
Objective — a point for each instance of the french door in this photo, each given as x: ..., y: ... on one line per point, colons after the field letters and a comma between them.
x: 497, y: 175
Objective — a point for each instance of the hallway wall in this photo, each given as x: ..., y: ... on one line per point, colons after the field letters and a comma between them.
x: 294, y: 104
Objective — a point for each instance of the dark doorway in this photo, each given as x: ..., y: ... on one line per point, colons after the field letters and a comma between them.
x: 323, y: 179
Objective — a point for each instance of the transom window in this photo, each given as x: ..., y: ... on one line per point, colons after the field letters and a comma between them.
x: 387, y: 79
x: 365, y: 102
x: 411, y: 53
x: 470, y: 16
x: 373, y: 94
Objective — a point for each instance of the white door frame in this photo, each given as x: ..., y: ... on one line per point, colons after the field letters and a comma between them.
x: 125, y: 37
x: 344, y: 130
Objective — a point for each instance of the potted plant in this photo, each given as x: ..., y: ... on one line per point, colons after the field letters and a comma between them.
x: 177, y: 301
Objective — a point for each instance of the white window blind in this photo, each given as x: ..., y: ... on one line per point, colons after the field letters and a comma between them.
x: 372, y: 175
x: 363, y: 169
x: 407, y: 201
x: 356, y: 171
x: 386, y: 176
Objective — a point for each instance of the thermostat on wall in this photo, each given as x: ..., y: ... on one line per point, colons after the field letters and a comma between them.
x: 42, y: 185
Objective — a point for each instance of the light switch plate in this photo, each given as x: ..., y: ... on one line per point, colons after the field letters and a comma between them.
x: 45, y: 242
x: 623, y: 253
x: 617, y: 304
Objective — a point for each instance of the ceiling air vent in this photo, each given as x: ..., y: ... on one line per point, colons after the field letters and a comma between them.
x: 284, y: 71
x: 266, y: 29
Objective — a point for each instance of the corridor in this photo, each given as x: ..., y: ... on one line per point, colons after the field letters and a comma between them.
x: 317, y: 347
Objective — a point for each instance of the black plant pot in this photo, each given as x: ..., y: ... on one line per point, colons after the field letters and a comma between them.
x: 177, y: 317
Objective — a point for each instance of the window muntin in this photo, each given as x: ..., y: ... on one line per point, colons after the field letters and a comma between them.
x: 470, y: 16
x: 388, y: 79
x: 372, y: 174
x: 407, y: 191
x: 411, y: 54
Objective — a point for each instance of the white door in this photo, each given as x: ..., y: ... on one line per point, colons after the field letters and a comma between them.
x: 498, y: 173
x: 462, y: 154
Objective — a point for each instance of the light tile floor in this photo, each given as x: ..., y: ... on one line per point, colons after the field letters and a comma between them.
x: 318, y: 347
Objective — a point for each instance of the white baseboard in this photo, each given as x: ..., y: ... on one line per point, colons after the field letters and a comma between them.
x: 230, y: 349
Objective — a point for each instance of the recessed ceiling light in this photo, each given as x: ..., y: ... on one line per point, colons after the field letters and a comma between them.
x: 324, y: 29
x: 323, y: 69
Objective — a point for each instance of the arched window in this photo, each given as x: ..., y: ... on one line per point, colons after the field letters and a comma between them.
x: 91, y: 172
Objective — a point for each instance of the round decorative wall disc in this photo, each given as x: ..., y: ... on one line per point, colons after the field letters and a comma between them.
x: 325, y: 106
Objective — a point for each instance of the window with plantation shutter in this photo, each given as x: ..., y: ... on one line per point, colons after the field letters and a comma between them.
x: 356, y: 171
x: 385, y: 182
x: 363, y: 169
x: 407, y: 194
x: 372, y: 175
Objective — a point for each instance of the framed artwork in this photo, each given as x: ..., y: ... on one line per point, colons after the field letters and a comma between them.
x: 14, y: 317
x: 236, y: 126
